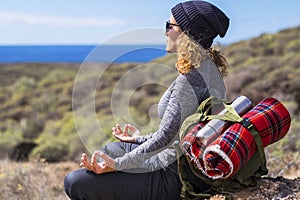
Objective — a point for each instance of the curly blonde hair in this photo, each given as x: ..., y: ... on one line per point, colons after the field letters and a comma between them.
x: 190, y: 54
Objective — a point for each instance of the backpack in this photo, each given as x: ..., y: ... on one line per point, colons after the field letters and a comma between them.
x: 197, y: 162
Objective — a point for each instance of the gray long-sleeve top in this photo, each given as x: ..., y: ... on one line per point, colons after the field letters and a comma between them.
x: 179, y: 101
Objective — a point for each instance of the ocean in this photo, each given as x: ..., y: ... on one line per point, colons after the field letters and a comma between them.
x: 80, y: 53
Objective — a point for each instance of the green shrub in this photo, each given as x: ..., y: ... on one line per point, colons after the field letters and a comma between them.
x: 63, y: 130
x: 293, y: 46
x: 32, y: 125
x: 23, y: 84
x: 56, y: 76
x: 51, y: 151
x: 11, y: 136
x: 47, y: 102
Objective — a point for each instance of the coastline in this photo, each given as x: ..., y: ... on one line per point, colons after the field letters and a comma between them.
x: 79, y: 53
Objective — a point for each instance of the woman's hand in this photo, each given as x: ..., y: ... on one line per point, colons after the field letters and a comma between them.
x: 123, y: 135
x: 108, y: 165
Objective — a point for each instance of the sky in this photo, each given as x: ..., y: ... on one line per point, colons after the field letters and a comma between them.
x: 36, y: 22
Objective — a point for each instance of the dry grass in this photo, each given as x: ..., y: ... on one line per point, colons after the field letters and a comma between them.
x: 44, y: 181
x: 33, y: 181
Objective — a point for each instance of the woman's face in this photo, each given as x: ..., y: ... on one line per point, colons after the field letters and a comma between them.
x: 172, y: 34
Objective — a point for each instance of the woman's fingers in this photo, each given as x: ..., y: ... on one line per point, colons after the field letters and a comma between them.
x: 114, y: 131
x: 84, y: 162
x: 108, y: 160
x: 131, y: 128
x: 94, y: 157
x: 106, y: 166
x: 126, y: 129
x: 118, y: 129
x: 125, y: 134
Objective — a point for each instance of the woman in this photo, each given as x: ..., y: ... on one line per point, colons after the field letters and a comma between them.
x: 145, y: 167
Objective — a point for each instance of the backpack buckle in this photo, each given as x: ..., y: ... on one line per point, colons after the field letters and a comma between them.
x: 246, y: 123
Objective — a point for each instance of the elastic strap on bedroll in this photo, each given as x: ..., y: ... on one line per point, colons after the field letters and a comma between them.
x: 194, y: 181
x: 207, y: 105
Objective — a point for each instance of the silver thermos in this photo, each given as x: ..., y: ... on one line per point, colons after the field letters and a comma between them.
x: 216, y: 127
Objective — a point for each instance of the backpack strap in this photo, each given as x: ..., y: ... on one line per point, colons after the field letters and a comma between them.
x: 248, y: 125
x: 188, y: 123
x: 206, y: 106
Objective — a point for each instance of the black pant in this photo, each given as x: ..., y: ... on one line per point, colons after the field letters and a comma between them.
x: 163, y: 184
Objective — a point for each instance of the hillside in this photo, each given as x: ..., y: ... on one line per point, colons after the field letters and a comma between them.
x: 268, y: 65
x: 37, y: 112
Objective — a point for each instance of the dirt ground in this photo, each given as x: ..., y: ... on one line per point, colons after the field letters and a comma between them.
x: 35, y: 181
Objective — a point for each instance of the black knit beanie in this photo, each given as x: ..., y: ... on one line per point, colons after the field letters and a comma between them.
x: 201, y: 20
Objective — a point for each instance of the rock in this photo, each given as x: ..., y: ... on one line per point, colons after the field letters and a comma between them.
x: 269, y: 188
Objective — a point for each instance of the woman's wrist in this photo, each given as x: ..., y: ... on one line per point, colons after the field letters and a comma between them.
x: 134, y: 140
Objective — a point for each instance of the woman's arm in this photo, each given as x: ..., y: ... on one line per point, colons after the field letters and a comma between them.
x: 142, y: 139
x: 183, y: 101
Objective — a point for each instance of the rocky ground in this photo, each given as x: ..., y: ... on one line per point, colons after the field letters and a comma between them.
x: 272, y: 188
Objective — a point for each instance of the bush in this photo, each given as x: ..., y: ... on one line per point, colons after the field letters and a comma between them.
x: 47, y: 102
x: 32, y: 126
x: 9, y: 138
x: 51, y: 151
x: 280, y: 158
x: 56, y: 76
x: 23, y: 84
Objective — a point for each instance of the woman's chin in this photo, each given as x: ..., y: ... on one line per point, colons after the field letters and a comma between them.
x: 169, y: 50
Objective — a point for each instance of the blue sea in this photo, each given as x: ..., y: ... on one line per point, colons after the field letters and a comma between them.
x: 80, y: 53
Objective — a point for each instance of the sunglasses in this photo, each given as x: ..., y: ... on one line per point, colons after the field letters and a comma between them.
x: 169, y: 25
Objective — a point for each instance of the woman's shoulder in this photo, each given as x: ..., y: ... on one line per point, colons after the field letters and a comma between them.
x: 193, y: 78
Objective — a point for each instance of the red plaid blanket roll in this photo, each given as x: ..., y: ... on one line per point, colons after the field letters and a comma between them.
x: 196, y: 140
x: 231, y: 150
x: 189, y: 145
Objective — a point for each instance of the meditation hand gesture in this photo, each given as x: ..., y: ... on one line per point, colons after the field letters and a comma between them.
x: 124, y: 136
x: 108, y: 165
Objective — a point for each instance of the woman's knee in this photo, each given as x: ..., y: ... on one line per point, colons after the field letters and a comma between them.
x: 70, y: 178
x: 113, y: 149
x: 73, y: 183
x: 84, y: 184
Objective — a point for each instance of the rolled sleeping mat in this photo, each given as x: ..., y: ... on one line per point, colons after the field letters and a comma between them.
x: 205, y: 132
x: 231, y: 150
